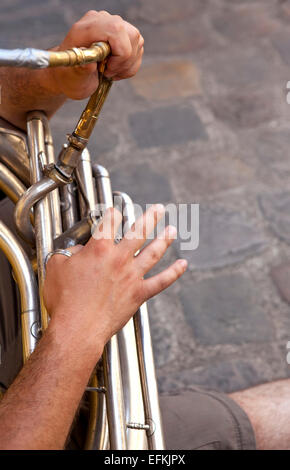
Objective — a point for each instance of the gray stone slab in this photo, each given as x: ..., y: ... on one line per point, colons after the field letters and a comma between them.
x: 244, y: 108
x: 143, y: 185
x: 225, y: 238
x: 169, y: 125
x: 167, y: 39
x: 275, y: 208
x: 241, y: 68
x: 281, y: 277
x: 165, y: 11
x: 227, y: 376
x: 270, y: 145
x: 115, y: 7
x: 31, y: 30
x: 244, y: 24
x: 281, y: 43
x: 225, y: 310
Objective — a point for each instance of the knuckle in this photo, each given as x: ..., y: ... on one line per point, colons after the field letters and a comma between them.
x: 76, y: 26
x: 126, y: 54
x: 119, y: 19
x: 92, y: 13
x: 117, y: 25
x: 136, y: 34
x: 154, y: 255
x: 101, y: 247
x: 52, y: 266
x: 130, y: 73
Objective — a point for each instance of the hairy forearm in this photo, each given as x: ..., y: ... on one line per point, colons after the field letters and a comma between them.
x: 38, y: 409
x: 24, y: 90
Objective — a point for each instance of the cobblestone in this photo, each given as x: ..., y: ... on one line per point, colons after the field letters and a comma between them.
x: 205, y: 121
x: 275, y: 208
x: 131, y: 179
x: 226, y: 238
x: 168, y: 125
x: 167, y: 81
x: 224, y: 376
x: 225, y: 310
x: 281, y: 277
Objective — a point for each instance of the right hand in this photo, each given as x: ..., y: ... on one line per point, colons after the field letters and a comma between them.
x: 96, y: 291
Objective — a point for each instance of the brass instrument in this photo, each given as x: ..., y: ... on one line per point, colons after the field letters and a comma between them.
x: 123, y: 398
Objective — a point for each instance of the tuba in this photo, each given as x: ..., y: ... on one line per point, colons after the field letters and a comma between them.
x: 57, y: 202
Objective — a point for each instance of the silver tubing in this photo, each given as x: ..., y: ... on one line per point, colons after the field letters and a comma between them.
x: 145, y: 357
x: 42, y: 209
x: 22, y: 209
x: 133, y: 397
x: 27, y: 287
x: 85, y: 176
x: 79, y: 233
x: 29, y: 57
x: 114, y: 396
x: 111, y: 360
x: 103, y: 185
x: 14, y: 153
x: 134, y: 408
x: 10, y: 184
x: 149, y: 382
x: 69, y: 210
x: 102, y: 431
x: 54, y: 195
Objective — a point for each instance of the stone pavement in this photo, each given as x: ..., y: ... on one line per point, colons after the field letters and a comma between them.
x: 205, y: 121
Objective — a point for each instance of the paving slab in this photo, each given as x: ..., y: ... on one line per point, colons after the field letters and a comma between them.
x: 205, y: 121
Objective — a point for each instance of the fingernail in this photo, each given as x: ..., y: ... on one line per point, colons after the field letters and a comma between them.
x: 171, y: 230
x: 159, y: 208
x: 183, y: 263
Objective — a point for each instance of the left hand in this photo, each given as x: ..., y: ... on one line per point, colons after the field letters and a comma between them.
x: 126, y: 45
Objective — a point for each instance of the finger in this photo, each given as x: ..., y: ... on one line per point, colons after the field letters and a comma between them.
x: 134, y: 34
x: 61, y: 258
x: 107, y: 228
x: 135, y: 238
x: 153, y: 252
x: 75, y: 249
x: 130, y: 72
x: 161, y: 281
x: 115, y: 65
x: 129, y: 68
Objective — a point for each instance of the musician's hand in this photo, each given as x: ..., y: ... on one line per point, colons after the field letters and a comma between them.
x: 127, y: 49
x: 98, y: 289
